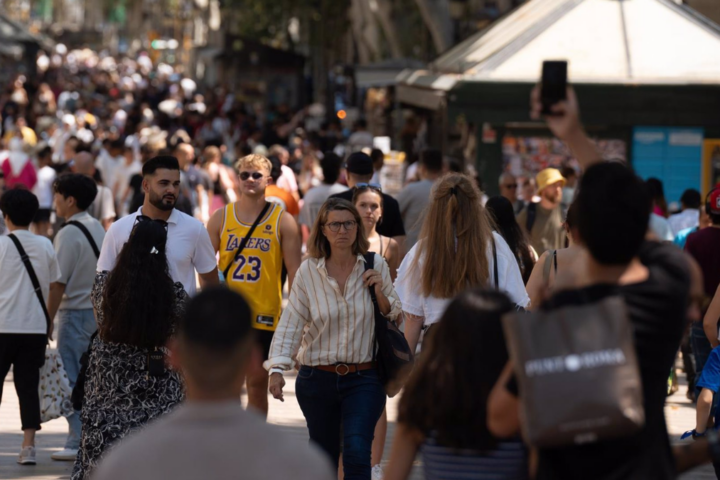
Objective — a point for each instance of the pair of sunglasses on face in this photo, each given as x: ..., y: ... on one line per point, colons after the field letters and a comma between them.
x: 255, y: 175
x: 374, y: 186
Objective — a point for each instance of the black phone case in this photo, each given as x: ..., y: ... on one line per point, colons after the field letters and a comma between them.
x: 156, y: 363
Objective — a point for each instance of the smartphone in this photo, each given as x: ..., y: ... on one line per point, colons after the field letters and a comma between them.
x: 553, y: 84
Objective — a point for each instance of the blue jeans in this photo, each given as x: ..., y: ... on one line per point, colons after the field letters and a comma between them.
x: 336, y: 405
x: 76, y: 327
x: 701, y: 350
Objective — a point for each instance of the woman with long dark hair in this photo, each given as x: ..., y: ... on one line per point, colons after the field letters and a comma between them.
x: 657, y: 192
x: 501, y: 211
x: 127, y: 383
x: 442, y: 412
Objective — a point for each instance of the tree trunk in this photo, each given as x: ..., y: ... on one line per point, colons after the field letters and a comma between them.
x: 383, y: 15
x: 436, y: 14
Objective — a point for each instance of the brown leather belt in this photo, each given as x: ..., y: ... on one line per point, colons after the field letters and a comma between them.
x: 343, y: 369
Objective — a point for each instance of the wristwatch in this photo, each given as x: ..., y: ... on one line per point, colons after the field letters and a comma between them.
x: 276, y: 370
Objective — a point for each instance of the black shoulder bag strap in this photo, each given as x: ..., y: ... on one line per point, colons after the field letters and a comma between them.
x: 86, y: 232
x: 245, y: 240
x: 369, y: 265
x: 531, y: 214
x: 33, y: 278
x: 496, y: 276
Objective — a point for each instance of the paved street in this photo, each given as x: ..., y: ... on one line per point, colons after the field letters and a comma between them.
x: 287, y: 415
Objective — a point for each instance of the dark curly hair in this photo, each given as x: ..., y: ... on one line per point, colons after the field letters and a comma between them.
x: 462, y: 359
x: 139, y: 297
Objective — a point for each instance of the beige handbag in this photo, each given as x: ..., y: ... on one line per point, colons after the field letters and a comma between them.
x: 577, y: 372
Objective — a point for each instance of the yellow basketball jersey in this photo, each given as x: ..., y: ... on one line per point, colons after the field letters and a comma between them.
x: 257, y: 272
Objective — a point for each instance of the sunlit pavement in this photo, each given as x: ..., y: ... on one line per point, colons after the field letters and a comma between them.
x: 679, y: 412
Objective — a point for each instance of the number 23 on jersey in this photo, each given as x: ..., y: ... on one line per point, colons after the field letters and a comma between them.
x: 255, y: 264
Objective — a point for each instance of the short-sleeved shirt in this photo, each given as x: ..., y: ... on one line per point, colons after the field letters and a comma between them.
x: 547, y: 231
x: 103, y: 207
x: 240, y: 444
x: 282, y: 197
x: 188, y: 247
x: 314, y: 200
x: 710, y: 376
x: 413, y: 201
x: 392, y: 223
x: 408, y: 284
x: 77, y: 261
x: 657, y: 308
x: 703, y: 246
x: 20, y: 310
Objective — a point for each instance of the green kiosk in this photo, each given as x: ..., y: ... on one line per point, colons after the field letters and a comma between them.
x: 646, y: 73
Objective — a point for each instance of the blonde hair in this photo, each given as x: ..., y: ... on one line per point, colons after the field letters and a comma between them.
x: 455, y: 235
x: 318, y: 245
x: 253, y: 160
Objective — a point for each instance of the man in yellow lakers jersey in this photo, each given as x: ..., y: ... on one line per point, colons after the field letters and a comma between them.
x: 255, y: 270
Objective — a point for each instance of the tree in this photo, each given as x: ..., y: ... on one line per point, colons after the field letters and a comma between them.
x: 436, y: 14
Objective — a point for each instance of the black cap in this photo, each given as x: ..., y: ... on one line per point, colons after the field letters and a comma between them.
x: 359, y: 163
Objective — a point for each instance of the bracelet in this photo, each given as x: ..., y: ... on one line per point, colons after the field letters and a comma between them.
x: 276, y: 370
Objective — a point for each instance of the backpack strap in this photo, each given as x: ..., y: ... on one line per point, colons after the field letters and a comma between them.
x: 244, y: 241
x: 85, y: 232
x: 33, y: 279
x: 531, y: 215
x: 549, y: 260
x: 496, y: 276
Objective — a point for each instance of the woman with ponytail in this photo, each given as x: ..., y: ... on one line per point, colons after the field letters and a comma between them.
x: 127, y: 382
x: 457, y: 250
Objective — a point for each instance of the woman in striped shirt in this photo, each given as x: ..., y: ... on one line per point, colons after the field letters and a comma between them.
x: 330, y: 318
x: 442, y: 413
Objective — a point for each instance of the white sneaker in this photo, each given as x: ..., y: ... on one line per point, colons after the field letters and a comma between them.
x: 66, y: 455
x: 377, y: 473
x: 27, y: 456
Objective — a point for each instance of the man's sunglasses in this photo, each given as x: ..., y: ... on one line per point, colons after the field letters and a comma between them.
x: 374, y: 186
x: 511, y: 186
x: 145, y: 218
x: 255, y: 175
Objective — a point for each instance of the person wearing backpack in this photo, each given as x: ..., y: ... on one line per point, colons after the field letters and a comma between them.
x: 30, y: 272
x: 77, y: 249
x: 543, y: 222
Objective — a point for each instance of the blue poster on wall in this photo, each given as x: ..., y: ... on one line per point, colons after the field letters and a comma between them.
x: 673, y: 155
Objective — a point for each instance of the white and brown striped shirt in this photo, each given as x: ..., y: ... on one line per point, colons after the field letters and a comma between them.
x: 329, y: 326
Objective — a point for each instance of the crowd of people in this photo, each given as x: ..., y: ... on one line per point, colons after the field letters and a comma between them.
x: 125, y: 191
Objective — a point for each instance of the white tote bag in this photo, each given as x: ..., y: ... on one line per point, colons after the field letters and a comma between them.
x: 54, y: 388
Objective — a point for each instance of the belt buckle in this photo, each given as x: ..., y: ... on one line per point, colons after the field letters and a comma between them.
x: 347, y: 369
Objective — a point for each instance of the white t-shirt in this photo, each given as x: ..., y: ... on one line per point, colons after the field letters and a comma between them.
x: 287, y: 180
x: 20, y: 310
x: 103, y: 207
x: 688, y: 218
x: 43, y: 188
x: 409, y: 287
x: 188, y: 247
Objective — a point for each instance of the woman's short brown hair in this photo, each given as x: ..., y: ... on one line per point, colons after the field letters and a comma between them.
x: 318, y: 245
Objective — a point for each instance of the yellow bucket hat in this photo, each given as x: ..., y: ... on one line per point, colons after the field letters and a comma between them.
x: 548, y: 177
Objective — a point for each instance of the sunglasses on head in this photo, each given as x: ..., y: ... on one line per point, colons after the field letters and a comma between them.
x: 255, y: 175
x: 145, y: 218
x: 374, y: 186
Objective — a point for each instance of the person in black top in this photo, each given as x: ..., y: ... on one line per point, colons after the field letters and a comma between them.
x: 654, y: 279
x: 360, y: 171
